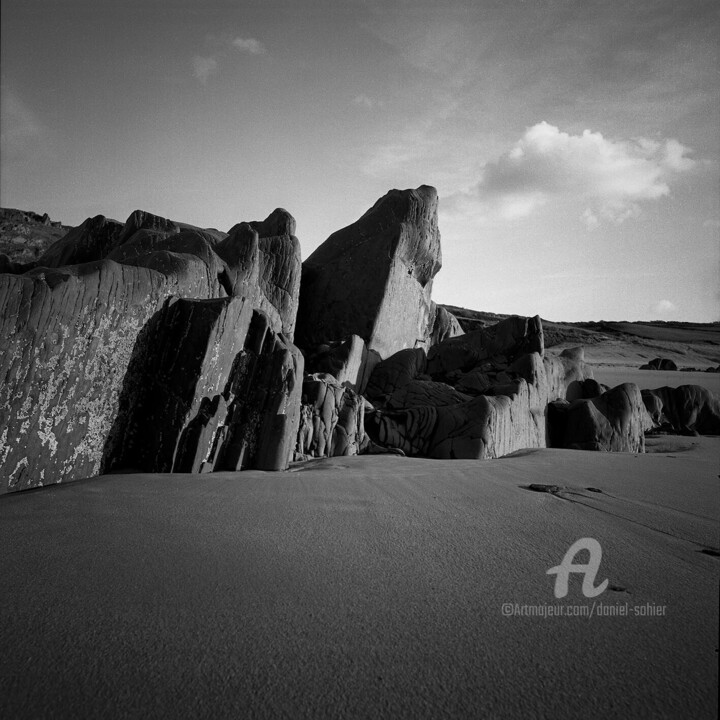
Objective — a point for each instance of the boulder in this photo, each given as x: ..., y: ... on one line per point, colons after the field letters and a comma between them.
x: 373, y: 278
x: 685, y: 409
x: 614, y: 421
x: 659, y: 364
x: 391, y: 375
x: 504, y: 342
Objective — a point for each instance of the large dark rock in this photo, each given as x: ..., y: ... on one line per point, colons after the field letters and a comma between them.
x: 660, y: 364
x: 504, y: 341
x: 95, y: 239
x: 685, y: 409
x: 374, y: 278
x: 614, y: 421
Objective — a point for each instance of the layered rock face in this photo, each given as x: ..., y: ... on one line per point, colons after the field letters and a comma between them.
x: 71, y: 332
x: 373, y: 279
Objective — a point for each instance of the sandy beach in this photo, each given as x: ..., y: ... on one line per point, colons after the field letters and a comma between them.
x: 368, y: 587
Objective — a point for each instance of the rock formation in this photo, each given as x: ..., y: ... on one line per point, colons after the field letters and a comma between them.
x: 71, y: 333
x: 687, y: 409
x: 158, y: 346
x: 481, y: 395
x: 614, y: 421
x: 212, y: 387
x: 373, y: 279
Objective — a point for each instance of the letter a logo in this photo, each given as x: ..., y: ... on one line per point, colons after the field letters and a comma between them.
x: 589, y: 570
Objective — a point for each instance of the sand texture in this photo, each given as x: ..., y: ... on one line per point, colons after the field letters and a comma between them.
x: 366, y: 587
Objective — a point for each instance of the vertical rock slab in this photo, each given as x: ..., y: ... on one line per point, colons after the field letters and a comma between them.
x: 263, y: 402
x: 179, y: 370
x: 68, y: 337
x: 374, y: 278
x: 211, y: 387
x: 266, y: 262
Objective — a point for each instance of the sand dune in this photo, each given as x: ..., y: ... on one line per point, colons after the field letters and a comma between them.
x: 367, y: 587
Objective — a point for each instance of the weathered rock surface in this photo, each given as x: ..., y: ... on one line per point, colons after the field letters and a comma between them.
x: 482, y: 395
x: 615, y: 421
x: 70, y: 334
x: 373, y: 278
x: 686, y: 409
x: 332, y: 419
x: 212, y: 387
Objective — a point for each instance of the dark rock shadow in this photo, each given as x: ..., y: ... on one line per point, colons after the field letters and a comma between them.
x: 121, y: 446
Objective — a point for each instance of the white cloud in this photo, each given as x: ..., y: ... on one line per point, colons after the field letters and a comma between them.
x: 609, y: 179
x: 204, y: 67
x: 364, y: 101
x: 249, y: 45
x: 665, y: 307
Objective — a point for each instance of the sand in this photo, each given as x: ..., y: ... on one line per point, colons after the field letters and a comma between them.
x: 366, y: 587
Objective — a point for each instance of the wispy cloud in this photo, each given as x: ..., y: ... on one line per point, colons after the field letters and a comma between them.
x: 204, y: 68
x: 249, y: 45
x: 608, y: 179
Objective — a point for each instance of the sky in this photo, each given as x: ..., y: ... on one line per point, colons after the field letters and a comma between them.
x: 575, y: 144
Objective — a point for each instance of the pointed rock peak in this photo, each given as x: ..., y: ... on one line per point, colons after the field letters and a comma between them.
x: 402, y: 201
x: 279, y: 222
